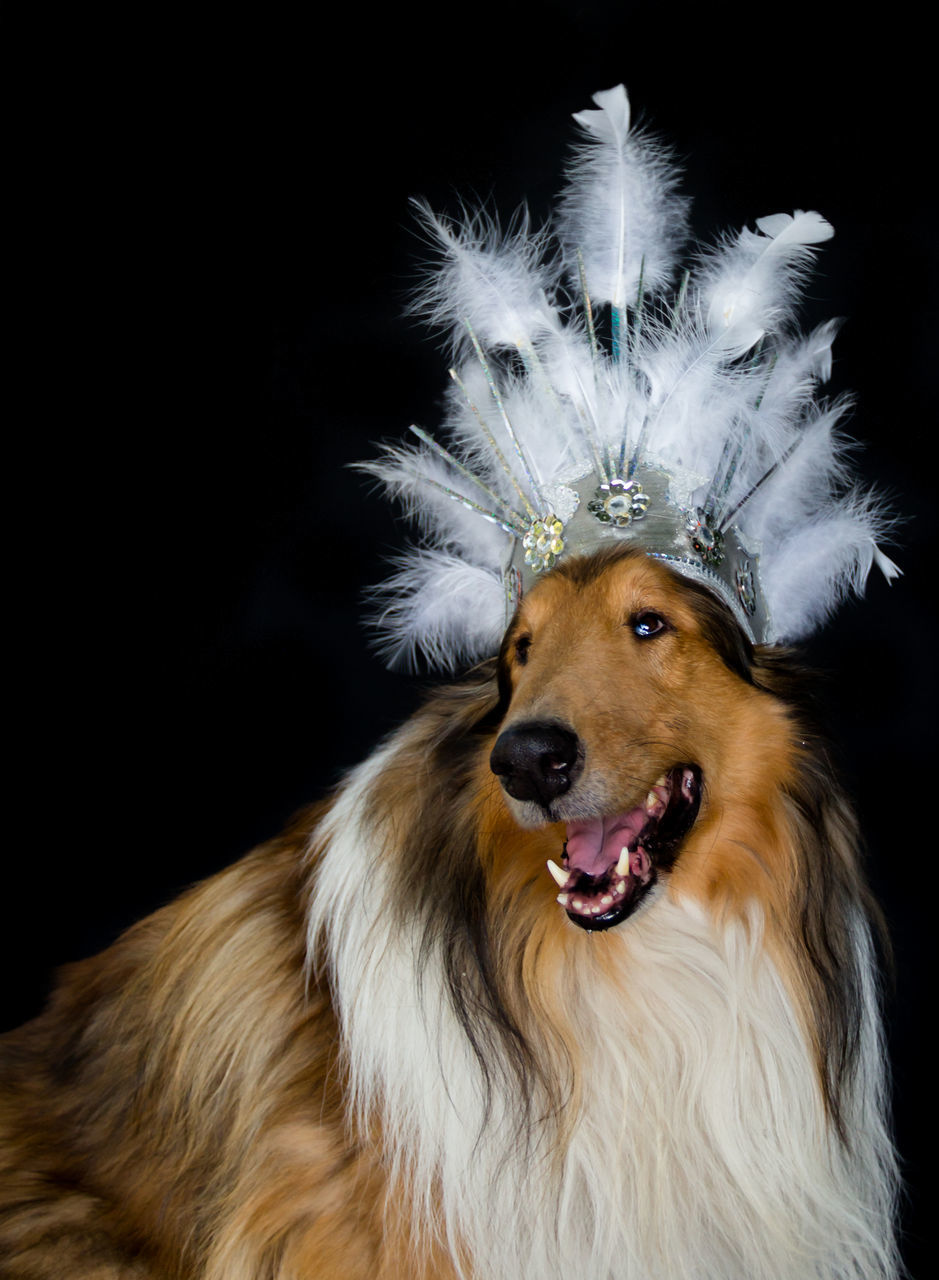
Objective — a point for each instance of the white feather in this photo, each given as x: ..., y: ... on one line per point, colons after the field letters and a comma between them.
x: 820, y: 563
x: 439, y: 607
x: 491, y: 281
x: 620, y: 209
x: 805, y: 483
x: 412, y: 476
x: 695, y: 401
x: 749, y: 285
x: 797, y: 367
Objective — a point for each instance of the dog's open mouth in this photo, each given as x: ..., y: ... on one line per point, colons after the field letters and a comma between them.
x: 611, y: 863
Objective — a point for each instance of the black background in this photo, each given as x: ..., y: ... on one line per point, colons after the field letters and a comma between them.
x: 212, y: 254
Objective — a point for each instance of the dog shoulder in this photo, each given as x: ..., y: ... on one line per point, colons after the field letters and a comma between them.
x: 188, y: 1069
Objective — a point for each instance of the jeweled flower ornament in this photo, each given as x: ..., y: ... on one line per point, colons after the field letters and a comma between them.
x: 705, y: 537
x: 601, y: 393
x: 619, y: 502
x: 543, y: 543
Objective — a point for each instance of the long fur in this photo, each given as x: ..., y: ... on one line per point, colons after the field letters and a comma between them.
x: 378, y: 1048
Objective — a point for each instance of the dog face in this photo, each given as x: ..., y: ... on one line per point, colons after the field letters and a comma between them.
x: 632, y: 716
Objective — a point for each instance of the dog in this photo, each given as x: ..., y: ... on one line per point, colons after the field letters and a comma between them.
x: 575, y: 975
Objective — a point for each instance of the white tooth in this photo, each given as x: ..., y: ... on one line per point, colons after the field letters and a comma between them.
x: 651, y: 801
x: 661, y: 782
x: 621, y: 887
x: 559, y: 876
x: 595, y: 910
x: 622, y: 867
x: 577, y: 904
x: 606, y: 899
x: 562, y: 898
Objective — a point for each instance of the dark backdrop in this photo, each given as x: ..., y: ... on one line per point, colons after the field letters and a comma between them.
x: 213, y: 248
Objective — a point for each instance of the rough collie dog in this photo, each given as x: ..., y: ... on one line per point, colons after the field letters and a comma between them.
x: 573, y: 977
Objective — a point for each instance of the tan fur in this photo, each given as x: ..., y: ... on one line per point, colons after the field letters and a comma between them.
x: 669, y: 700
x: 180, y: 1109
x: 659, y: 702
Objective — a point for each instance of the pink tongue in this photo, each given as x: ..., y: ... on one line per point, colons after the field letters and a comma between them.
x: 594, y: 845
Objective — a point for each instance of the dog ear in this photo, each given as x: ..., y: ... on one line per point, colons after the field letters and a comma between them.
x: 721, y: 629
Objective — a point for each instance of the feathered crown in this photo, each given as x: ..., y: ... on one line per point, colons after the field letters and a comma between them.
x: 592, y: 400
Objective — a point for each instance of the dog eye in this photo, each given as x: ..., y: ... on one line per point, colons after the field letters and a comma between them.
x: 522, y: 645
x: 647, y: 624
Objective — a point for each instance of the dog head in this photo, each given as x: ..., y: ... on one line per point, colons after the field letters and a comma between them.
x: 632, y: 717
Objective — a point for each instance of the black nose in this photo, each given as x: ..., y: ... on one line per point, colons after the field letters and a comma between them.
x: 535, y: 761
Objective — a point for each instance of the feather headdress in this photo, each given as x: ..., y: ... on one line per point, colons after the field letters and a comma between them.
x: 595, y: 396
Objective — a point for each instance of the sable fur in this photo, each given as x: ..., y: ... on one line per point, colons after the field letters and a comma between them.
x: 376, y: 1047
